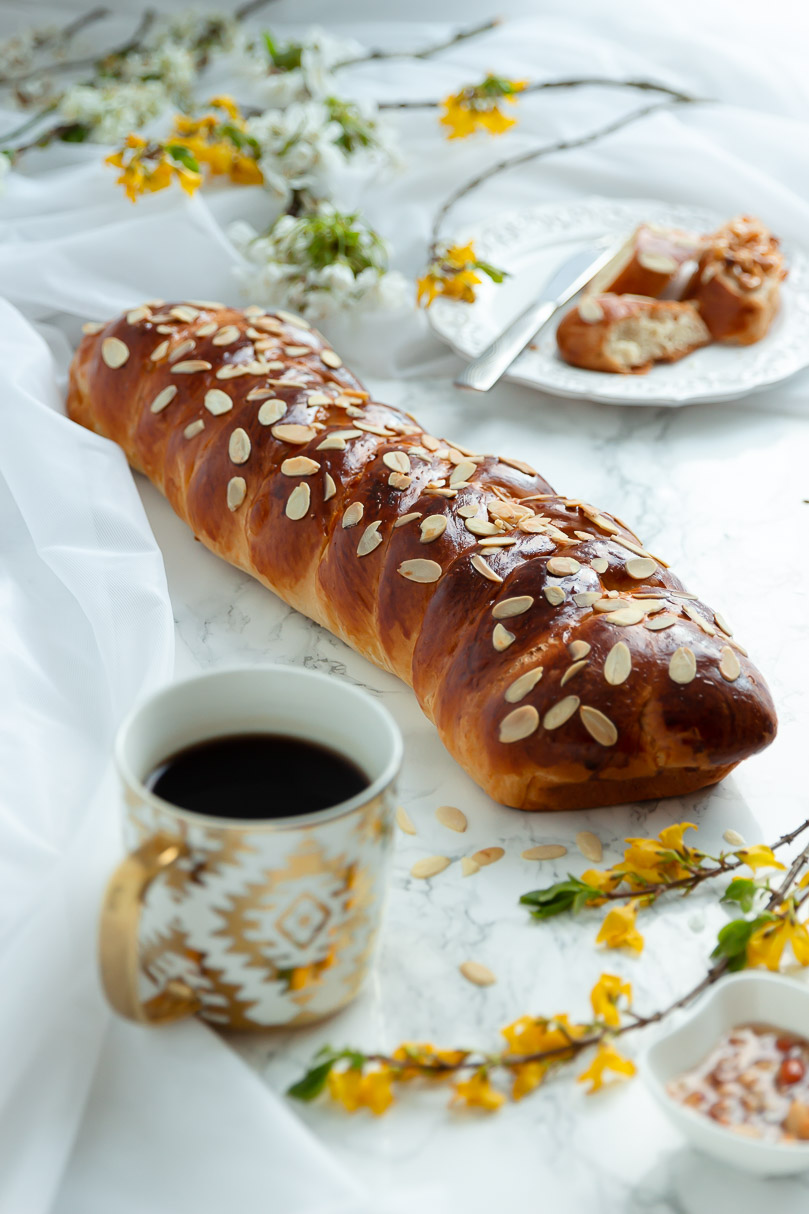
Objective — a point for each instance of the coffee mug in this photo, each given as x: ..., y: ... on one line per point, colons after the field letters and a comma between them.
x: 248, y: 923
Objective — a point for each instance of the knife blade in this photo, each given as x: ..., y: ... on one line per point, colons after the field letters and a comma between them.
x: 565, y: 282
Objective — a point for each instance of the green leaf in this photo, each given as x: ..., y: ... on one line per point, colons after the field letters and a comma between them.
x: 733, y: 938
x: 313, y: 1082
x: 492, y: 271
x: 77, y: 133
x: 570, y: 895
x: 287, y: 57
x: 184, y: 156
x: 239, y: 139
x: 742, y: 890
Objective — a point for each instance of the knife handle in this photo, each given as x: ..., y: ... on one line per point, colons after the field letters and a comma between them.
x: 485, y: 370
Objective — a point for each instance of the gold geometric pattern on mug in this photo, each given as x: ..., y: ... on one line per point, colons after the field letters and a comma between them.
x: 376, y: 819
x: 213, y: 848
x: 261, y: 926
x: 169, y: 955
x: 303, y: 920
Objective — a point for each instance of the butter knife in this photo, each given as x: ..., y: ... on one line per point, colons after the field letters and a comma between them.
x: 570, y: 278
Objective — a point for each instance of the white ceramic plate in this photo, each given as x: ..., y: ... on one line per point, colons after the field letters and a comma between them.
x: 531, y: 244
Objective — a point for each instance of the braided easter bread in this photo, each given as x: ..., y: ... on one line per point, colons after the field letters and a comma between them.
x: 563, y: 665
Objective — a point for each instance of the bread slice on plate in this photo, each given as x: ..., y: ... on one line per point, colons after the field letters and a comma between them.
x: 737, y: 284
x: 648, y: 263
x: 628, y: 334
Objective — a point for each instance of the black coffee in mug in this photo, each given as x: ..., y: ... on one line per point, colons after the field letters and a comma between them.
x: 255, y: 776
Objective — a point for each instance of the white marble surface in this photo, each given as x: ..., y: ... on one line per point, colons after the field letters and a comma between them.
x: 716, y: 489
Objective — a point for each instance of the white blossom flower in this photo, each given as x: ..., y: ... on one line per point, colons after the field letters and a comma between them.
x: 319, y: 264
x: 196, y: 27
x: 168, y: 63
x: 298, y: 148
x: 17, y: 53
x: 5, y: 169
x: 297, y: 71
x: 111, y: 111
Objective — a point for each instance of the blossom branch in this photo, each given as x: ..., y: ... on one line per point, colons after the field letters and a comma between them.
x: 61, y: 38
x: 132, y: 44
x: 460, y: 36
x: 561, y: 145
x: 649, y: 86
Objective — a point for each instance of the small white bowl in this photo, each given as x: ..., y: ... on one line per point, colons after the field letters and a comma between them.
x: 747, y: 998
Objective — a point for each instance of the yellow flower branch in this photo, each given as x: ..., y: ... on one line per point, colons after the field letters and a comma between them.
x: 572, y: 82
x: 652, y: 867
x: 217, y: 143
x: 538, y: 1045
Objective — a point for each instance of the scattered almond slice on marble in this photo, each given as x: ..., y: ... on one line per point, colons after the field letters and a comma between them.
x: 733, y: 838
x: 404, y: 821
x: 452, y: 818
x: 479, y: 975
x: 430, y: 866
x: 469, y: 866
x: 545, y: 851
x: 589, y: 845
x: 487, y: 855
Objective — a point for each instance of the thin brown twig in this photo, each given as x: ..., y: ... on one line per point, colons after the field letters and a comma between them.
x: 648, y: 86
x: 460, y: 36
x: 575, y: 1046
x: 247, y: 10
x: 69, y: 65
x: 81, y: 22
x: 29, y: 122
x: 62, y: 37
x: 547, y: 149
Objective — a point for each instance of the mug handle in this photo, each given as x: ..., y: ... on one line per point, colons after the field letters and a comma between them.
x: 118, y: 937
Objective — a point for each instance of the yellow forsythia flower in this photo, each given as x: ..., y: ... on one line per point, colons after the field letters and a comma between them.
x: 219, y: 143
x: 618, y: 929
x: 672, y: 836
x: 477, y: 1092
x: 759, y: 856
x: 344, y: 1087
x: 527, y: 1077
x: 605, y: 881
x: 422, y: 1053
x: 530, y: 1035
x: 767, y: 943
x: 607, y: 1059
x: 453, y: 272
x: 477, y: 107
x: 149, y: 167
x: 605, y: 995
x: 354, y: 1089
x: 646, y: 860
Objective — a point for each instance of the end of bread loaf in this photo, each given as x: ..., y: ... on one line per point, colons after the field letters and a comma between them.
x: 648, y: 263
x: 628, y: 334
x: 737, y: 281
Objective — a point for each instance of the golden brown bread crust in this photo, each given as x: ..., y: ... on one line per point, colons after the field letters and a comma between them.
x: 585, y: 334
x: 640, y: 735
x: 737, y: 282
x: 648, y: 263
